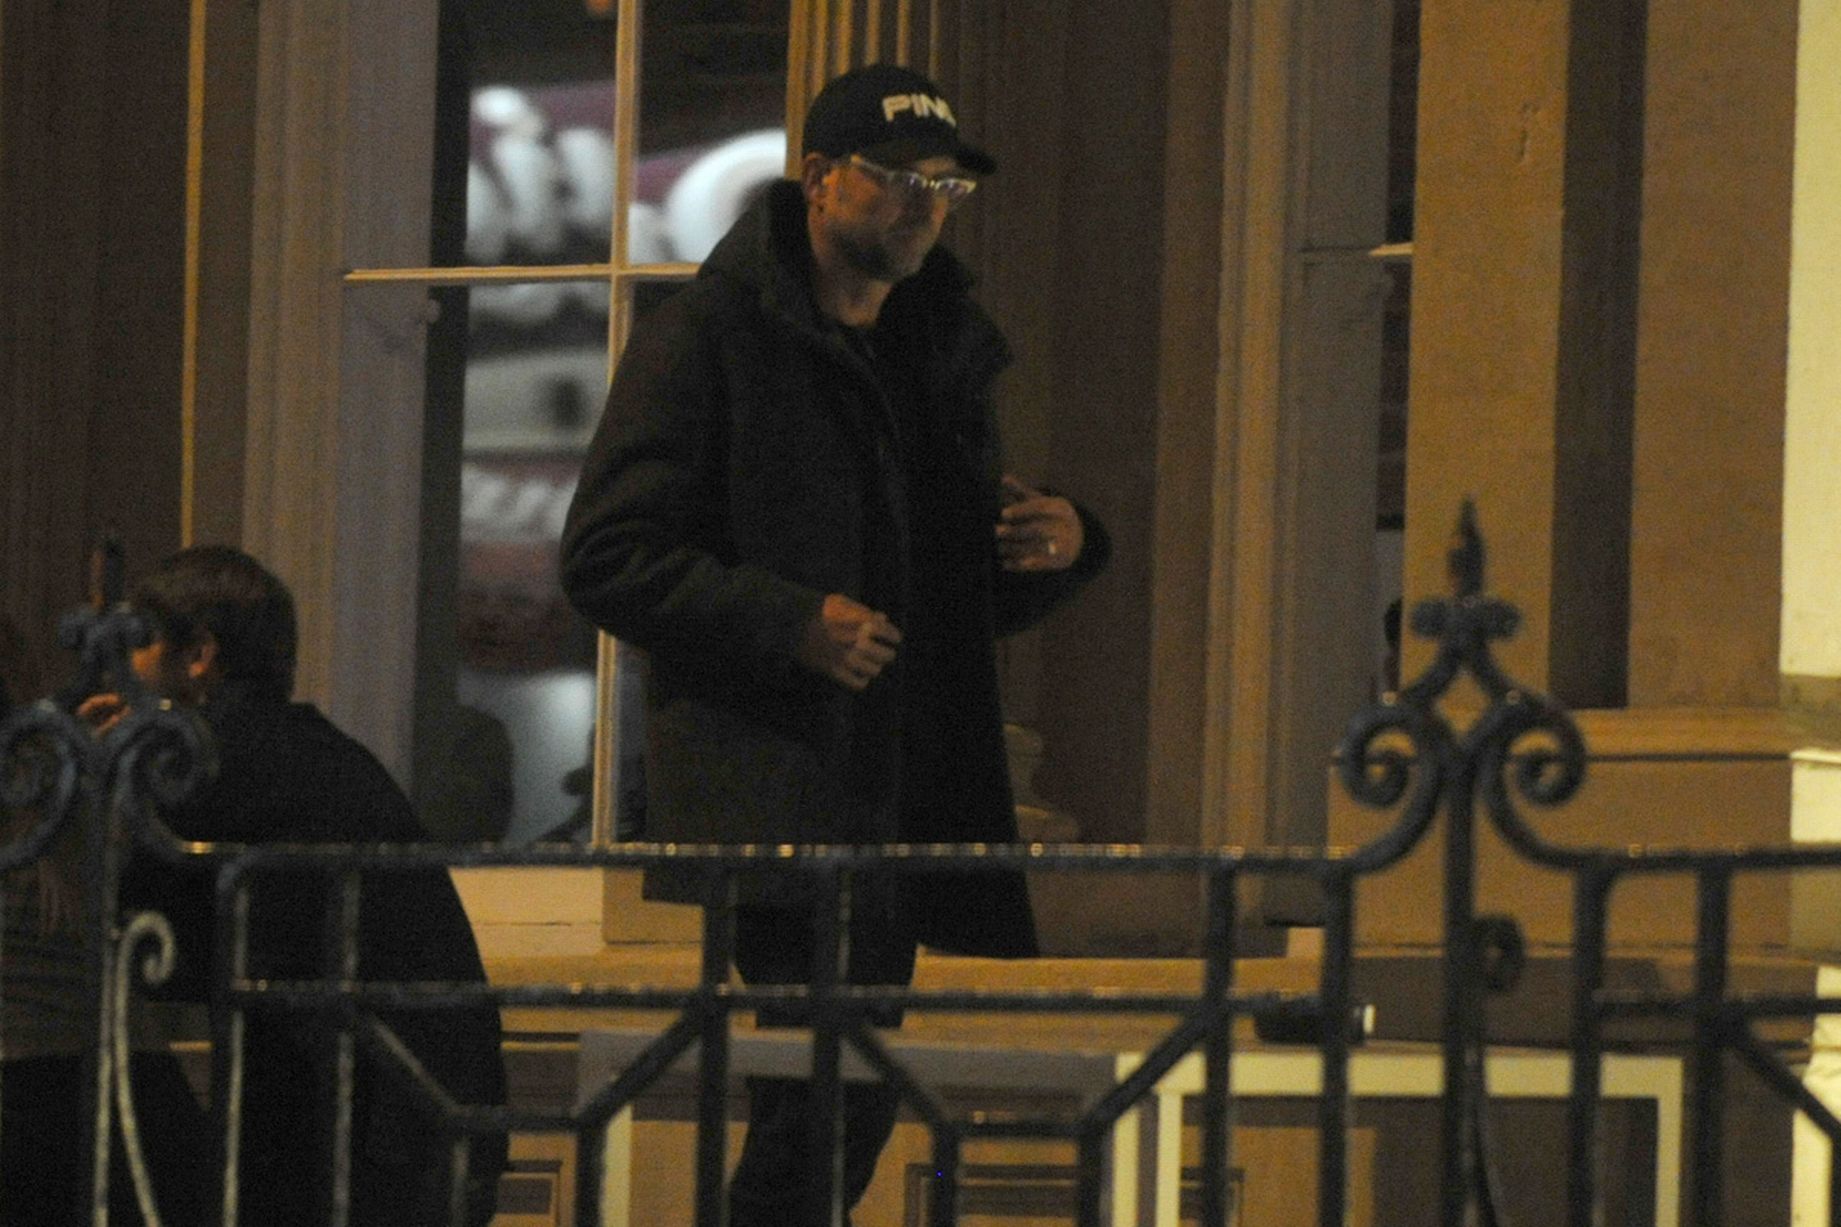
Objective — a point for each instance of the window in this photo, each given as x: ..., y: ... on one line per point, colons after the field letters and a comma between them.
x: 578, y: 167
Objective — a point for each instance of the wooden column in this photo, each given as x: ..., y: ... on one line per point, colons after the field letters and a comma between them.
x: 331, y: 489
x: 92, y: 162
x: 218, y: 205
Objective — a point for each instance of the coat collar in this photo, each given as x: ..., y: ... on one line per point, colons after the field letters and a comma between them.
x: 770, y: 250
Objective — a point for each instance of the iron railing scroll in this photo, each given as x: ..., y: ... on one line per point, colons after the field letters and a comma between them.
x: 1520, y: 736
x: 102, y: 789
x: 1516, y: 750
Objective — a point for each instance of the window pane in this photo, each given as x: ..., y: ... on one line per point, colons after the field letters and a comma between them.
x: 524, y: 133
x: 1403, y: 121
x: 1396, y: 344
x: 1390, y: 471
x: 506, y: 752
x: 712, y: 120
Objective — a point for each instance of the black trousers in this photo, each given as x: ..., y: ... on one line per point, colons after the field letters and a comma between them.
x: 43, y: 1161
x: 770, y: 1186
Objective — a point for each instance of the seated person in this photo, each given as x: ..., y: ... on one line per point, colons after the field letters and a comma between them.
x: 224, y: 645
x: 48, y: 1031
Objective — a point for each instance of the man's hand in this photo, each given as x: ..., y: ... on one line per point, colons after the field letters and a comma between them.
x: 1037, y: 531
x: 102, y: 712
x: 848, y: 642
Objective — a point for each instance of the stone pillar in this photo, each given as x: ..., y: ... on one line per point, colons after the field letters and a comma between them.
x: 1810, y: 649
x: 1709, y: 459
x: 1520, y: 298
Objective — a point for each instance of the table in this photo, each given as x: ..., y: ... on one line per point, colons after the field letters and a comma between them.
x: 1144, y: 1161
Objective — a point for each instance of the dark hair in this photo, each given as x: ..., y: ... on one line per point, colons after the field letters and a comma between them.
x: 245, y: 608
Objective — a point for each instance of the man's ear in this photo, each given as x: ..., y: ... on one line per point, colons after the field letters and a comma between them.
x: 200, y: 657
x: 812, y: 172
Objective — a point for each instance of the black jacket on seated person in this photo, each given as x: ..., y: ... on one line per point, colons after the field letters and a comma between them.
x: 286, y: 774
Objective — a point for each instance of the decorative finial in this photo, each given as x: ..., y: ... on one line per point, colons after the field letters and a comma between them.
x: 1464, y: 561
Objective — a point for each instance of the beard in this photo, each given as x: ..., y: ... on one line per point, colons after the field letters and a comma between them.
x: 885, y: 255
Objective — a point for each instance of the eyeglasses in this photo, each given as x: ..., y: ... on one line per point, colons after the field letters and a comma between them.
x: 953, y: 189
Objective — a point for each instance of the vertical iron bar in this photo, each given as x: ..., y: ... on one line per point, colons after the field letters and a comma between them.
x: 102, y: 871
x: 1089, y: 1162
x: 713, y: 1052
x: 457, y: 1181
x: 342, y: 943
x: 943, y: 1204
x: 831, y: 956
x: 591, y: 1171
x: 1463, y: 973
x: 1333, y: 1043
x: 1706, y: 1072
x: 231, y: 958
x: 1590, y: 897
x: 1834, y: 1183
x: 1217, y: 1051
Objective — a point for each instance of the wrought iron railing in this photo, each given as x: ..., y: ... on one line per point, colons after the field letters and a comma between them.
x: 1400, y: 753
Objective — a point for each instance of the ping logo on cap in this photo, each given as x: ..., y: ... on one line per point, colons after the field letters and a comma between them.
x: 923, y: 105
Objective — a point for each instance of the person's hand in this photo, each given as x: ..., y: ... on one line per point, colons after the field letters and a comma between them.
x: 848, y: 642
x: 1037, y: 531
x: 102, y: 712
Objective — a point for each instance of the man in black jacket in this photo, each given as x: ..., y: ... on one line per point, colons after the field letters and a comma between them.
x: 794, y: 505
x: 223, y: 645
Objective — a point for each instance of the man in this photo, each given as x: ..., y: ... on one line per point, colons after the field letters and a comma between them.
x: 793, y: 504
x: 223, y: 645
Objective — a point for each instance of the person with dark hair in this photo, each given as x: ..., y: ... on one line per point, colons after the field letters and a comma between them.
x: 217, y: 613
x: 223, y: 644
x: 794, y: 504
x: 48, y: 1030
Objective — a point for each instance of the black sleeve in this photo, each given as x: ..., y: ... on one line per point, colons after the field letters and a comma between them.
x: 647, y: 550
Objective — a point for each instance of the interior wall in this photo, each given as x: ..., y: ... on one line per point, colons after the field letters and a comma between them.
x: 1181, y: 735
x: 92, y: 175
x: 1068, y: 242
x: 1095, y: 678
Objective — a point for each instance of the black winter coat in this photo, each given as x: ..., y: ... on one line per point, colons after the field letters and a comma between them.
x: 749, y: 463
x: 286, y: 774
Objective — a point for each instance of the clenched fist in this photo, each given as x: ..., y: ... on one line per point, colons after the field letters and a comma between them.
x: 848, y: 642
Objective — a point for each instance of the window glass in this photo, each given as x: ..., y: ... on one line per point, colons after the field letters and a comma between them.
x: 518, y: 728
x: 524, y: 133
x: 1390, y: 472
x: 1396, y: 320
x: 1402, y: 121
x: 712, y: 121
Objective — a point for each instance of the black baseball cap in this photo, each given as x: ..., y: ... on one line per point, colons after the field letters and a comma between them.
x: 888, y: 114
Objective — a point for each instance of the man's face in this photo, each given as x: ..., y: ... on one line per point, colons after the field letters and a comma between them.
x: 172, y: 673
x: 882, y: 228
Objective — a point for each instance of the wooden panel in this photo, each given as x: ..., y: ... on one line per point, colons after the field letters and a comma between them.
x: 91, y: 261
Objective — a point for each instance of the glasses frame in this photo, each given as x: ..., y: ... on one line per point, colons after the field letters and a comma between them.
x: 953, y: 189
